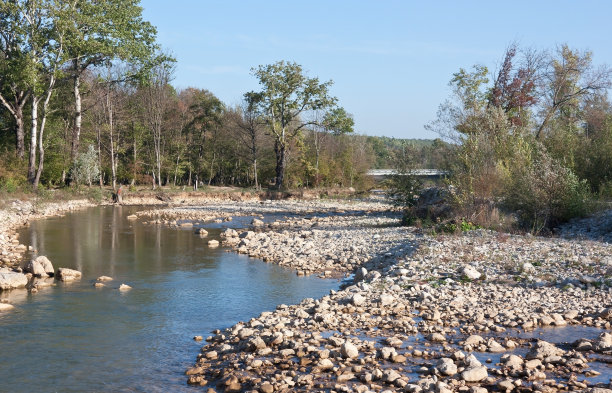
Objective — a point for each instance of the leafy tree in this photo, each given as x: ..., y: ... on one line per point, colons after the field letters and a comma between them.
x: 286, y: 98
x: 85, y: 169
x: 99, y: 31
x: 571, y: 77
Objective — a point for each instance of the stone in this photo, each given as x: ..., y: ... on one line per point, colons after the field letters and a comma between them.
x: 266, y: 387
x: 606, y: 314
x: 12, y: 280
x: 446, y: 366
x: 6, y: 307
x: 325, y: 364
x: 98, y: 285
x: 472, y: 340
x: 506, y: 385
x: 65, y: 274
x: 46, y: 264
x: 475, y: 374
x: 360, y: 274
x: 513, y: 361
x: 542, y: 350
x: 104, y: 278
x: 35, y: 268
x: 386, y: 299
x: 202, y: 232
x: 255, y: 344
x: 213, y: 243
x: 132, y: 217
x: 348, y: 350
x: 390, y: 376
x: 357, y: 300
x: 437, y: 337
x: 257, y: 223
x: 471, y: 273
x: 603, y: 342
x: 124, y: 287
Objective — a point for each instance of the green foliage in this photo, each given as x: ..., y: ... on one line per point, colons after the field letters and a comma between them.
x: 85, y: 169
x: 544, y: 192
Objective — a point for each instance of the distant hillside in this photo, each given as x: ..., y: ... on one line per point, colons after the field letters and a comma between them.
x: 428, y: 153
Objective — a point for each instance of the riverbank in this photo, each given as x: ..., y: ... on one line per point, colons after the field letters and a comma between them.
x: 17, y: 213
x: 470, y: 312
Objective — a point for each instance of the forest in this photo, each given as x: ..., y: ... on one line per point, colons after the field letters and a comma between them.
x: 87, y: 99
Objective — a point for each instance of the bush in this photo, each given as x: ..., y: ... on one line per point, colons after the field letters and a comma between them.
x: 543, y: 192
x: 85, y: 169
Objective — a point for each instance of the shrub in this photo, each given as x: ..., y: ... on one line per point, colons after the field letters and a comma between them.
x: 543, y: 192
x: 85, y: 169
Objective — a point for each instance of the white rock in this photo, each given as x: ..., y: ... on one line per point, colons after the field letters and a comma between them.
x: 46, y: 264
x: 349, y: 350
x: 124, y: 287
x: 65, y: 274
x: 446, y: 366
x: 475, y: 374
x: 471, y: 273
x: 386, y: 299
x: 357, y: 300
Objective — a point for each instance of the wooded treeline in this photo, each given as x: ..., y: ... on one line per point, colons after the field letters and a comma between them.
x: 87, y: 98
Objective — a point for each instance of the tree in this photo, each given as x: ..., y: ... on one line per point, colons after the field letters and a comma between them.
x: 100, y: 31
x: 14, y: 92
x: 250, y: 124
x: 287, y: 96
x: 336, y: 122
x: 85, y: 168
x: 206, y: 110
x: 570, y: 78
x: 157, y: 92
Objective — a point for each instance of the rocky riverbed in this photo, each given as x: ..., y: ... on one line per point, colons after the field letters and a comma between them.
x: 15, y: 273
x: 471, y: 312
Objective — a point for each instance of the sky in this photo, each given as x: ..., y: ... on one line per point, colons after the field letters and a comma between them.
x: 390, y: 61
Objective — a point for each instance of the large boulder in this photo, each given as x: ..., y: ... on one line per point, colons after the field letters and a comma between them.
x: 46, y: 264
x: 542, y: 350
x: 348, y: 350
x: 12, y: 280
x: 65, y: 274
x: 40, y: 267
x: 35, y: 268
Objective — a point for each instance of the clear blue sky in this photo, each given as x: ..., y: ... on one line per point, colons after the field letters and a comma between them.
x: 390, y: 60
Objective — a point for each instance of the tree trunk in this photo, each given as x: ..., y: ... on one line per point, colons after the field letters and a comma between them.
x: 112, y: 141
x: 19, y: 133
x: 279, y: 149
x: 33, y: 139
x: 76, y: 134
x: 255, y: 172
x: 16, y: 109
x: 41, y: 150
x: 101, y: 179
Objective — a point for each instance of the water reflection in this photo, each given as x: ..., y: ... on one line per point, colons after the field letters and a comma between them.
x: 73, y: 337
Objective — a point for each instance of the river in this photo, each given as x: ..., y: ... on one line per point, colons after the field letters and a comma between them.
x: 76, y: 338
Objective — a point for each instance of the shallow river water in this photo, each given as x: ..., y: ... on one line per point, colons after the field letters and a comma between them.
x: 74, y: 337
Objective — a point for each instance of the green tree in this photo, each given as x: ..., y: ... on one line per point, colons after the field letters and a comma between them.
x: 99, y: 31
x: 14, y: 92
x: 286, y: 98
